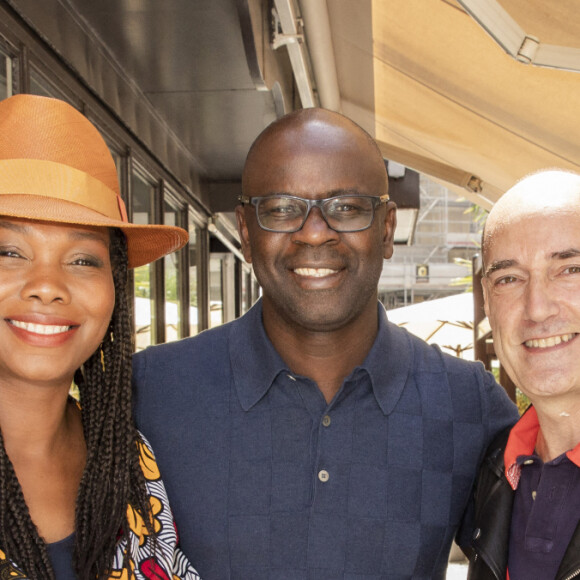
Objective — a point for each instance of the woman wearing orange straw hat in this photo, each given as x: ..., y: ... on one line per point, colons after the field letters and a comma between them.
x: 80, y: 492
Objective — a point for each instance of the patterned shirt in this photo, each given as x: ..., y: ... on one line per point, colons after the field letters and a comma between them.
x: 167, y: 562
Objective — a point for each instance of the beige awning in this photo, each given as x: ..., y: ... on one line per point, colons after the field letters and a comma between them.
x: 451, y: 102
x: 443, y: 96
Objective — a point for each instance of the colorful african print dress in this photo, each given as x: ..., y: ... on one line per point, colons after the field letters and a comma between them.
x: 167, y: 562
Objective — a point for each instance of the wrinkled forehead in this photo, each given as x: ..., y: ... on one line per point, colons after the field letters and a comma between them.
x: 532, y: 233
x: 546, y: 195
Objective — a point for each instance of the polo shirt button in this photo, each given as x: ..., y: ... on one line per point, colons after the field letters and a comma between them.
x: 326, y: 420
x: 323, y: 475
x: 291, y: 378
x: 528, y: 461
x: 476, y: 533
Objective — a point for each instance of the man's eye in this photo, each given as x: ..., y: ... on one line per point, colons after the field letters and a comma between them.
x: 349, y: 206
x: 346, y: 208
x: 282, y: 210
x: 572, y: 270
x: 505, y: 280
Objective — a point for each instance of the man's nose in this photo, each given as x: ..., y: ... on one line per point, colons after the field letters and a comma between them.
x: 315, y: 230
x: 541, y: 299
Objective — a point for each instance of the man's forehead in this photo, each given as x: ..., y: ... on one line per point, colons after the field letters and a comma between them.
x: 546, y: 235
x: 538, y: 193
x: 320, y: 138
x: 314, y: 154
x: 521, y: 215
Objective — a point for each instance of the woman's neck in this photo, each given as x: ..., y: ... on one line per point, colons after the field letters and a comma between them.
x: 34, y: 417
x: 43, y: 438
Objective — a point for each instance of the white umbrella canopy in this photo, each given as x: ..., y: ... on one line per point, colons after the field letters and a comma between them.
x: 447, y: 322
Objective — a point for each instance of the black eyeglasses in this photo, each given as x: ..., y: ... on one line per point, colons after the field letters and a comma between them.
x: 288, y: 213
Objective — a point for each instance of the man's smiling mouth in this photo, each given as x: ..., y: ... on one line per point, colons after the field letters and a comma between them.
x: 550, y: 341
x: 314, y: 272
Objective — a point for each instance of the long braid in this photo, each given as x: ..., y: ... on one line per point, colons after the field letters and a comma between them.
x: 19, y: 536
x: 112, y: 477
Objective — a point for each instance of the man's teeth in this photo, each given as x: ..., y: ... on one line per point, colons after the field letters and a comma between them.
x: 314, y: 272
x: 40, y: 328
x: 547, y: 342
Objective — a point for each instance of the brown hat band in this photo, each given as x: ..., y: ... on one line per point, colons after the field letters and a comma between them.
x: 56, y: 180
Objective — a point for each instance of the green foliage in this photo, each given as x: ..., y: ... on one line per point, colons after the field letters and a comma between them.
x: 171, y: 286
x: 466, y: 280
x: 142, y: 277
x: 479, y: 217
x: 521, y: 401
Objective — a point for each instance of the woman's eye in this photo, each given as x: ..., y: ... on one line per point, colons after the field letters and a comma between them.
x: 87, y: 261
x: 9, y: 253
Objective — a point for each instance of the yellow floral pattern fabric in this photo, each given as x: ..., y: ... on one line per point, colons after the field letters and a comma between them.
x: 165, y: 562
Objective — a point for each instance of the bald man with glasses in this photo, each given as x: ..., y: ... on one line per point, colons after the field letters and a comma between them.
x: 311, y: 438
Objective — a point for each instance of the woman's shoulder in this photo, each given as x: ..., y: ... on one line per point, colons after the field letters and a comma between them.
x: 153, y: 549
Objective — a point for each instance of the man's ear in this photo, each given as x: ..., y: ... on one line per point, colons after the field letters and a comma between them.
x: 389, y: 226
x: 243, y: 231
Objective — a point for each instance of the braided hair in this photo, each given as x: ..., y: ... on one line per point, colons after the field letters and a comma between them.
x: 112, y: 478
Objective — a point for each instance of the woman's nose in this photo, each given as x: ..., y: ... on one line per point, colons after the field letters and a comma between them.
x: 46, y: 284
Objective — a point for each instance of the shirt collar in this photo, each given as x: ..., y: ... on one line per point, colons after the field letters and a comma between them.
x: 389, y: 362
x: 256, y: 363
x: 522, y: 441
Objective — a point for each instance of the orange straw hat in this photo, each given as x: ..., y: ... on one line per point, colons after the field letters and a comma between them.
x: 55, y: 166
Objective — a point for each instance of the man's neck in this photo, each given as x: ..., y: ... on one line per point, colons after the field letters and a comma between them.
x: 559, y: 427
x: 325, y: 357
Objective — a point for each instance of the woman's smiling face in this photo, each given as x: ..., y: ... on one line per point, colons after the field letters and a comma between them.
x: 56, y: 298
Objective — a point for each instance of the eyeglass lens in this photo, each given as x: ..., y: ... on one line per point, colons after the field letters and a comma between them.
x: 342, y: 213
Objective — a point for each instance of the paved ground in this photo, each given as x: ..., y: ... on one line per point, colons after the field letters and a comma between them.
x: 457, y: 572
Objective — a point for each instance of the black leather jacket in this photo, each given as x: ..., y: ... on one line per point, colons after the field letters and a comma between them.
x: 493, y: 507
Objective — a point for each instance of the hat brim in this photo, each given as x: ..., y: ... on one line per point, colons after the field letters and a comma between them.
x: 145, y: 243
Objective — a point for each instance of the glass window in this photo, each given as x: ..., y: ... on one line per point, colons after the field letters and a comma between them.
x: 173, y: 327
x: 41, y: 85
x: 246, y: 288
x: 5, y: 75
x: 142, y: 197
x: 194, y: 273
x: 216, y: 290
x: 222, y: 291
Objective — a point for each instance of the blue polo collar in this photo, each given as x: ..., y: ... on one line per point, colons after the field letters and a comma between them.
x: 256, y: 364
